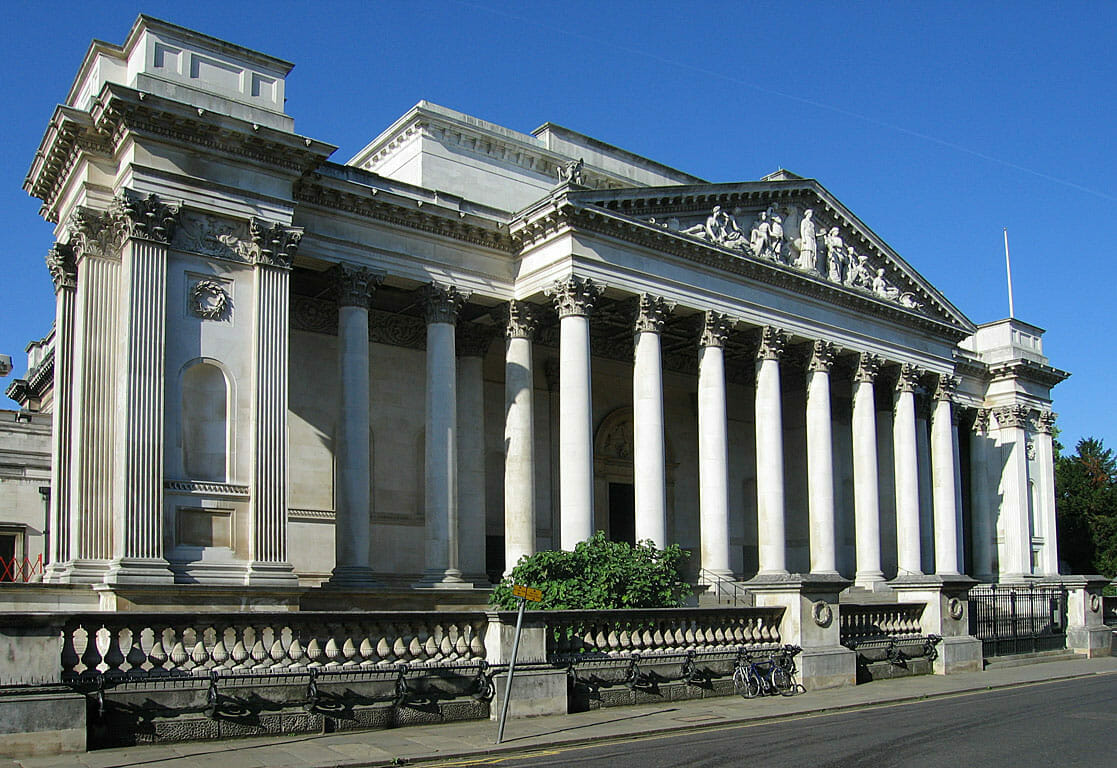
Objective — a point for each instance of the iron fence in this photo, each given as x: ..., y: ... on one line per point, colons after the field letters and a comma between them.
x: 1013, y: 619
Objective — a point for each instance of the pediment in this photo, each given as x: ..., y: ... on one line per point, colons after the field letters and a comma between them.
x: 791, y: 228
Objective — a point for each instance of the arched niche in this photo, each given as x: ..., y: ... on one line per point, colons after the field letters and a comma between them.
x: 206, y: 421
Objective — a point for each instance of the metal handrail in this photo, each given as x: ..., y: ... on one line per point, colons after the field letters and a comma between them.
x: 721, y: 583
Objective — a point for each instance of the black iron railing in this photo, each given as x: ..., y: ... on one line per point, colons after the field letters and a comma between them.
x: 1018, y: 619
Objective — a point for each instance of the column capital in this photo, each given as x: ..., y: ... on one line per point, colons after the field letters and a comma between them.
x: 519, y: 320
x: 575, y: 296
x: 981, y: 420
x: 353, y: 286
x: 474, y: 339
x: 945, y: 387
x: 822, y: 357
x: 273, y: 244
x: 773, y: 341
x: 868, y: 368
x: 441, y: 303
x: 1045, y: 422
x: 1012, y: 416
x: 715, y: 329
x: 92, y: 233
x: 144, y: 217
x: 908, y: 380
x: 652, y: 313
x: 62, y: 268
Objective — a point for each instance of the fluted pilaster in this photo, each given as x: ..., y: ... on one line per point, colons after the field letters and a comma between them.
x: 63, y: 271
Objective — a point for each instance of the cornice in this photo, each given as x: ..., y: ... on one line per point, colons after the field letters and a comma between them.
x: 1028, y: 370
x: 70, y: 133
x: 409, y: 213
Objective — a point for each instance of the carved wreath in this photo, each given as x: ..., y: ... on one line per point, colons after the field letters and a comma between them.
x: 822, y: 613
x: 1095, y: 603
x: 209, y: 300
x: 956, y: 608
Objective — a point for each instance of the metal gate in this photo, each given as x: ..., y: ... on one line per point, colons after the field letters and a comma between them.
x: 1010, y: 620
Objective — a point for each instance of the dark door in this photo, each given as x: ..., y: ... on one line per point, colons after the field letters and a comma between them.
x: 622, y: 512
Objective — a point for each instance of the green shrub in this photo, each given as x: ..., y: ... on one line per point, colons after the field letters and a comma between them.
x: 600, y: 574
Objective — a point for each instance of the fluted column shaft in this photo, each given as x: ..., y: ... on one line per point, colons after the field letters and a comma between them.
x: 574, y: 299
x: 354, y: 287
x: 138, y: 445
x: 820, y: 461
x: 519, y: 436
x: 942, y: 479
x: 442, y: 304
x: 906, y: 454
x: 771, y: 543
x: 63, y: 271
x: 1045, y: 466
x: 1015, y: 561
x: 713, y: 447
x: 274, y: 247
x: 866, y: 503
x: 979, y: 493
x: 473, y: 344
x: 648, y: 460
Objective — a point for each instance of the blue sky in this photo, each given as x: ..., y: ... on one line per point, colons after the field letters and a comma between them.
x: 937, y: 124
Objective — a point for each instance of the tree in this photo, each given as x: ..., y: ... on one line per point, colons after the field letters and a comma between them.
x: 1086, y: 504
x: 600, y: 574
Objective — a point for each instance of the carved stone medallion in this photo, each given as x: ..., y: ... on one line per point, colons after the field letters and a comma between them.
x: 209, y: 300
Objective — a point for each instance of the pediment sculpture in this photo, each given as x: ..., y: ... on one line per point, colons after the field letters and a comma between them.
x: 768, y: 239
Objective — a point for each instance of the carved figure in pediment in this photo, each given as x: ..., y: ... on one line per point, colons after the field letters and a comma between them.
x: 835, y: 254
x: 908, y: 300
x: 722, y: 229
x: 775, y: 236
x: 859, y: 273
x: 571, y: 172
x: 758, y: 238
x: 807, y: 243
x: 884, y: 289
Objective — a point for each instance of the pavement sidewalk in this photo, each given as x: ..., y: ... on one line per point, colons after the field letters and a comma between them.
x: 474, y: 739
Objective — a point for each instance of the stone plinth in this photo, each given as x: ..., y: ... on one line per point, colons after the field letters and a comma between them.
x: 1087, y: 632
x: 946, y: 614
x: 811, y: 621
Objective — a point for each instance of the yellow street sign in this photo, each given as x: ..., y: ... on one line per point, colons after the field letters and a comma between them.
x: 527, y: 593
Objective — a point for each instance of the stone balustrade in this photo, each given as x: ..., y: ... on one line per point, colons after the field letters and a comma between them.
x: 896, y: 621
x: 149, y: 645
x: 662, y: 631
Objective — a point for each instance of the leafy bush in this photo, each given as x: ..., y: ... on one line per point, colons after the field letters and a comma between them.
x: 600, y: 574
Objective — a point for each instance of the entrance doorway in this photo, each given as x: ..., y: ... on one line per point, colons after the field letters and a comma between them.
x: 622, y: 512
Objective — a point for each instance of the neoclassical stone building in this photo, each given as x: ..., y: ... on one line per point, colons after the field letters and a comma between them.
x: 468, y: 343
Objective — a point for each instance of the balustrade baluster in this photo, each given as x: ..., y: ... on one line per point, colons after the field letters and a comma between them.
x: 69, y: 655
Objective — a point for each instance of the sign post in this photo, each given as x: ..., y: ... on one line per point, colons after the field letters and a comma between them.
x: 525, y: 594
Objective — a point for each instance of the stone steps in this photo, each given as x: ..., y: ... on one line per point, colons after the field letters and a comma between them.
x: 1025, y: 659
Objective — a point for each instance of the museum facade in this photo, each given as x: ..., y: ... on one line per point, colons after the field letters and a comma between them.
x: 467, y: 344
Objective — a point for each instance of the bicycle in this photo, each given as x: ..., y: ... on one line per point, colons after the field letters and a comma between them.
x: 768, y: 677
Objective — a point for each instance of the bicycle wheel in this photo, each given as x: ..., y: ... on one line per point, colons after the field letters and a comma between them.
x: 739, y: 684
x: 752, y: 684
x: 782, y: 681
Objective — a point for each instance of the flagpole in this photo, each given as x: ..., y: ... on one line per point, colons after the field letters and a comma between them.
x: 1008, y: 271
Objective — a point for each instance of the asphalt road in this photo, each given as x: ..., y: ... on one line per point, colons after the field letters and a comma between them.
x: 1065, y: 724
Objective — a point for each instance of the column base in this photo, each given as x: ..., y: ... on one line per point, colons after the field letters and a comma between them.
x: 270, y: 574
x: 872, y: 580
x: 137, y: 570
x: 80, y: 572
x: 437, y: 578
x: 349, y: 577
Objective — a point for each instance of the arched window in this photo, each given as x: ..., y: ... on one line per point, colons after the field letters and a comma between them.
x: 205, y: 424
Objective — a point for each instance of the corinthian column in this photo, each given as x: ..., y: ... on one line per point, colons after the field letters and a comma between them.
x: 1045, y: 493
x: 983, y: 529
x: 647, y: 409
x: 942, y: 478
x: 713, y: 446
x: 353, y: 287
x: 473, y: 344
x: 519, y: 435
x: 866, y: 504
x: 442, y: 304
x: 147, y: 224
x: 907, y: 473
x: 1015, y: 561
x: 64, y: 273
x: 769, y: 454
x: 574, y: 299
x: 820, y: 460
x: 273, y: 249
